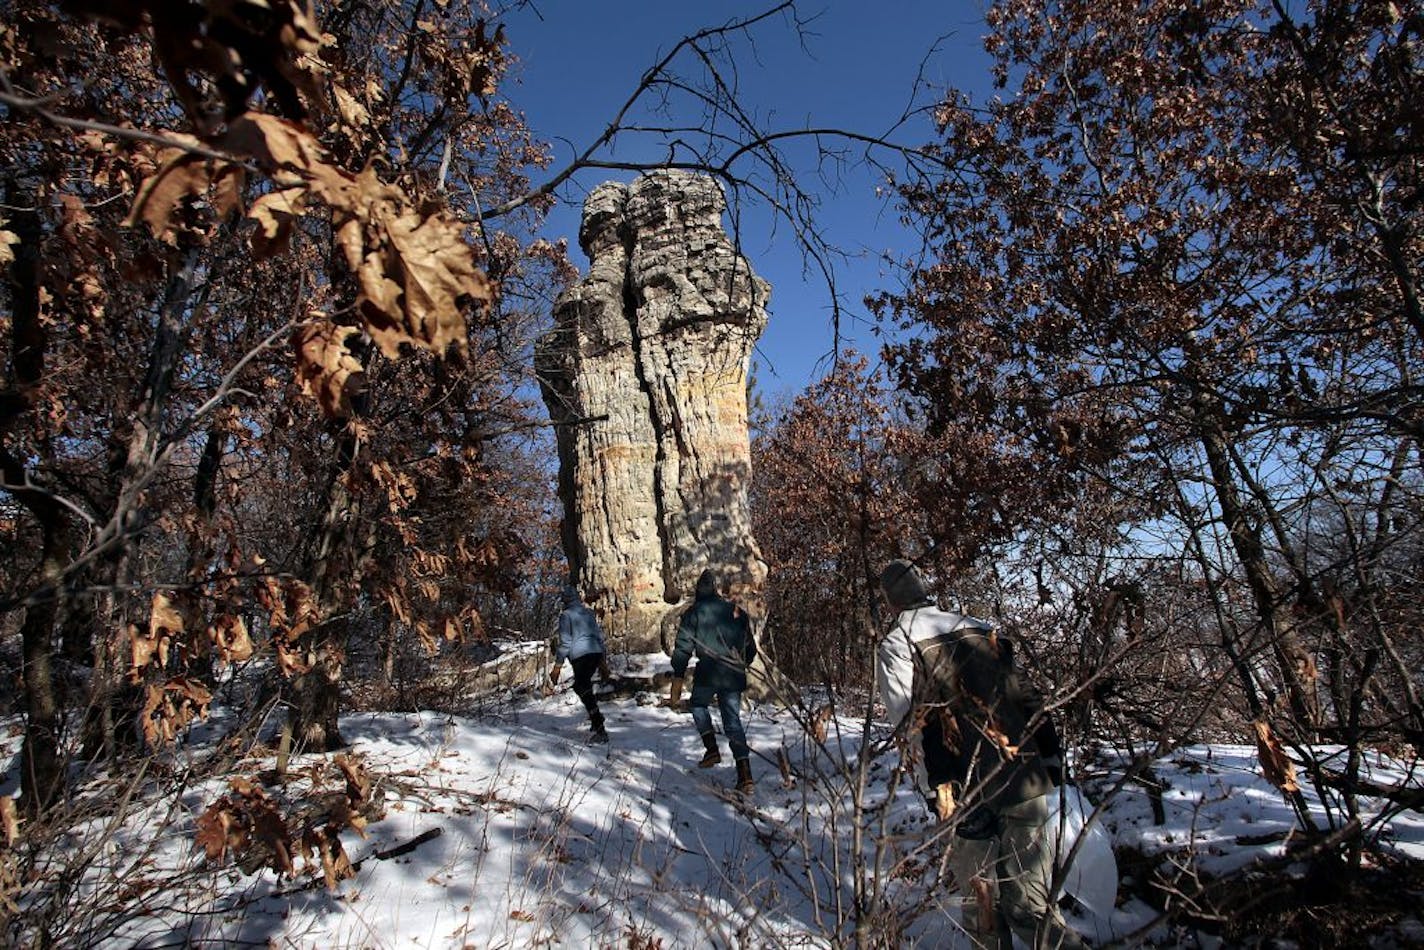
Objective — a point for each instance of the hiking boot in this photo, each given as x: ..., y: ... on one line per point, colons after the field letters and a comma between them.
x: 744, y: 776
x: 713, y: 757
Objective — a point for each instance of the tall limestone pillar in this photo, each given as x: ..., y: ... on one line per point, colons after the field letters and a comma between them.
x: 644, y: 374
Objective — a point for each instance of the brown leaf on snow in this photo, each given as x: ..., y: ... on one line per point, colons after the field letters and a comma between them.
x: 192, y: 692
x: 326, y: 369
x: 155, y: 724
x: 247, y: 825
x: 334, y: 863
x: 270, y: 831
x: 325, y: 842
x: 340, y: 815
x: 358, y: 782
x: 247, y: 788
x: 783, y: 765
x: 220, y: 830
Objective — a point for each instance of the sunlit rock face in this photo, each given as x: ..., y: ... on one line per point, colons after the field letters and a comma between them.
x: 645, y: 377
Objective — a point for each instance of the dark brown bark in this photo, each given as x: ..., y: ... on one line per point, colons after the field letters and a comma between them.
x: 314, y: 703
x: 112, y: 724
x: 1295, y: 665
x: 41, y: 768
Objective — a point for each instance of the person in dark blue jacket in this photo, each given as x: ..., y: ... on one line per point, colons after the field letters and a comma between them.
x: 581, y: 643
x: 719, y: 634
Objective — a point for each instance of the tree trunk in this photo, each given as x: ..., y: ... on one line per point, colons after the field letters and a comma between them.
x: 41, y: 769
x: 340, y: 552
x: 114, y: 704
x: 1295, y: 665
x: 78, y: 623
x: 315, y: 706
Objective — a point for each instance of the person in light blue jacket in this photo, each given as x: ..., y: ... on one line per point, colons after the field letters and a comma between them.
x: 581, y: 643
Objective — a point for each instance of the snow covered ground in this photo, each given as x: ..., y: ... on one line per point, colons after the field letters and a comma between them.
x: 527, y: 836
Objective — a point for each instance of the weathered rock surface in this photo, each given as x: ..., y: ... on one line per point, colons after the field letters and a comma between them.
x: 645, y: 376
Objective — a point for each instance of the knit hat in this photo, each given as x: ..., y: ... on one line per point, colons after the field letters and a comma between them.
x: 903, y: 585
x: 706, y: 584
x: 571, y: 595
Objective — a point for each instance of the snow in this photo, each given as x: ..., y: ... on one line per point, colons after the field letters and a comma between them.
x: 545, y: 840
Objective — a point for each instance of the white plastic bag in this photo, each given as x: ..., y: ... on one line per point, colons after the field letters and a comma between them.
x: 1092, y: 876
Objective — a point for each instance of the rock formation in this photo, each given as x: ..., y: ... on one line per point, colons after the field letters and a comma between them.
x: 645, y: 377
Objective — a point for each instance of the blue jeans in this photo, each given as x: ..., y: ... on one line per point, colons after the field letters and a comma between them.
x: 729, y: 705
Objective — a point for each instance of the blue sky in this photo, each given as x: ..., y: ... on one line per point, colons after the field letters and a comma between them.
x: 581, y: 60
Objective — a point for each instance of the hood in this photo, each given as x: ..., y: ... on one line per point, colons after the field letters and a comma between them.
x: 903, y: 585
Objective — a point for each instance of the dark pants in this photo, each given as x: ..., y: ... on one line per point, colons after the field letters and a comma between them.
x: 584, y: 668
x: 729, y: 704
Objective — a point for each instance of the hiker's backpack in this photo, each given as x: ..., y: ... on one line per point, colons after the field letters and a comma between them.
x: 971, y: 697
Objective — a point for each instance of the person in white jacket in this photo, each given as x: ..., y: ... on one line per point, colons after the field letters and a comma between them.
x: 988, y: 756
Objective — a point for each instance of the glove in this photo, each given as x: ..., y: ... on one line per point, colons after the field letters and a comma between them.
x: 944, y: 801
x: 604, y: 673
x: 554, y: 676
x: 674, y: 694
